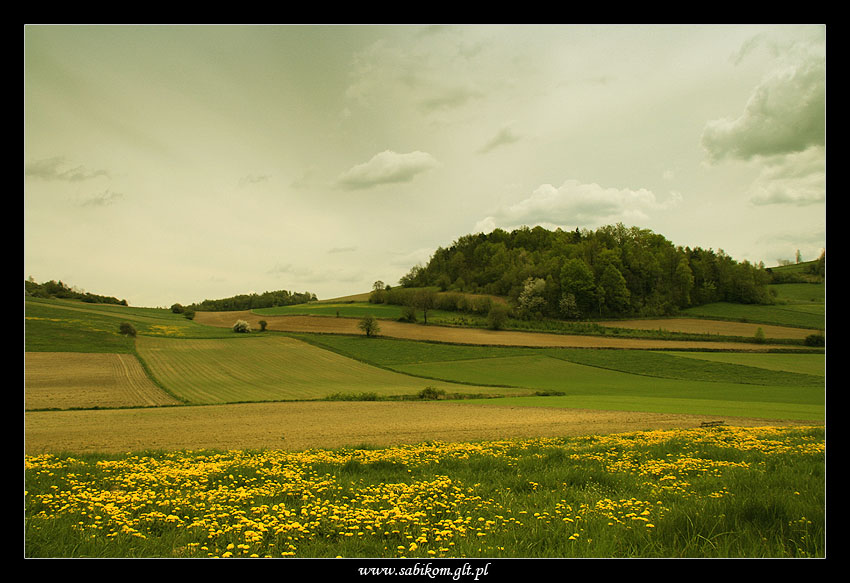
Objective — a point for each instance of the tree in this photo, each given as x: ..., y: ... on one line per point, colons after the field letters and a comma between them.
x: 568, y: 308
x: 531, y: 299
x: 127, y: 329
x: 177, y: 309
x: 424, y: 299
x: 263, y: 325
x: 369, y: 325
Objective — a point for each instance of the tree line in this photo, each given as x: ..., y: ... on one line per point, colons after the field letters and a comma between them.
x: 59, y: 290
x: 612, y: 271
x: 269, y: 299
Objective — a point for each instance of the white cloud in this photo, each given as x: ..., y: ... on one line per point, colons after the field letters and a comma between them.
x: 387, y: 167
x: 797, y: 179
x: 578, y: 204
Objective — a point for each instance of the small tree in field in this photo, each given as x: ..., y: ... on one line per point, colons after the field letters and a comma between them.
x: 369, y: 325
x: 241, y: 326
x: 263, y: 325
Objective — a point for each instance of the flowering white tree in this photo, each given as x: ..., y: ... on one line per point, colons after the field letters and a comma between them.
x: 241, y: 326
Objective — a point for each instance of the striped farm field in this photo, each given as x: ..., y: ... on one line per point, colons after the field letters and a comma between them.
x: 73, y: 380
x: 270, y: 368
x: 459, y: 335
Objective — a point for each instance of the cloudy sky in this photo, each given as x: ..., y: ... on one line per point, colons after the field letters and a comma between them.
x: 169, y: 164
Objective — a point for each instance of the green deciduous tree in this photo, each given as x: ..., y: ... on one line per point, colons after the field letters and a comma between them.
x: 369, y: 325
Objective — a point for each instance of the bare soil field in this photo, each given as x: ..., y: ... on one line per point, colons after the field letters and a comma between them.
x: 64, y: 380
x: 700, y: 326
x: 392, y: 329
x: 306, y: 425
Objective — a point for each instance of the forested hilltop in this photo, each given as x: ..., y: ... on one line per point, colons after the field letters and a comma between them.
x: 269, y: 299
x: 613, y: 271
x: 59, y: 290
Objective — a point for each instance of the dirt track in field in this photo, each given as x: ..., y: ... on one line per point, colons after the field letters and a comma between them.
x: 63, y: 380
x: 392, y: 329
x: 305, y: 425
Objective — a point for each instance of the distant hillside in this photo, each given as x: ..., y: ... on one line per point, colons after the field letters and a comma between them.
x: 802, y: 272
x: 59, y: 290
x: 613, y: 271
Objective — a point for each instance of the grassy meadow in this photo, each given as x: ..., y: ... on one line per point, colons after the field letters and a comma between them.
x: 722, y: 491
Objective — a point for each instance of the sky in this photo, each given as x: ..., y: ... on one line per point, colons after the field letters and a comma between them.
x: 172, y: 164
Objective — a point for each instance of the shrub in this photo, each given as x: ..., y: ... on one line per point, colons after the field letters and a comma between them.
x: 127, y: 329
x: 408, y: 314
x: 431, y: 394
x: 241, y: 326
x: 177, y: 309
x: 497, y: 316
x: 263, y: 325
x: 759, y: 338
x: 815, y: 340
x: 189, y: 314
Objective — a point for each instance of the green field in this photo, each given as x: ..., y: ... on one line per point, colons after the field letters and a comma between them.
x: 203, y: 365
x: 73, y: 326
x: 270, y: 367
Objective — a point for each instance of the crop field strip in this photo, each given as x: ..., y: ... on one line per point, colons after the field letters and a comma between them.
x: 270, y: 368
x: 79, y: 380
x: 475, y: 336
x: 304, y: 425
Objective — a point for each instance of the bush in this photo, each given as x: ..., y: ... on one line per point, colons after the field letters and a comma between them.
x: 497, y: 316
x: 408, y: 314
x: 431, y: 394
x: 815, y: 340
x: 241, y: 326
x: 759, y: 338
x: 263, y: 325
x: 189, y: 314
x: 127, y: 329
x: 177, y: 309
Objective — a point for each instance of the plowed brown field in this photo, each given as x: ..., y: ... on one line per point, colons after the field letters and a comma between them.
x: 392, y: 329
x: 64, y: 380
x: 305, y: 425
x: 721, y: 328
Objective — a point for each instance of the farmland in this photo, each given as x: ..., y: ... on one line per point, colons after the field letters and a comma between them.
x: 311, y: 404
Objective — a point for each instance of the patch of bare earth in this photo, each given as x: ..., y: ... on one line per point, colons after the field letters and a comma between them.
x: 305, y: 425
x: 392, y: 329
x: 64, y: 380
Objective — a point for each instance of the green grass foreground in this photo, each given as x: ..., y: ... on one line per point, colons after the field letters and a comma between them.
x: 711, y: 492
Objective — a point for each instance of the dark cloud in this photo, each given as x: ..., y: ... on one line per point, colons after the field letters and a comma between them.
x: 505, y: 136
x: 786, y: 113
x: 105, y: 198
x: 57, y: 169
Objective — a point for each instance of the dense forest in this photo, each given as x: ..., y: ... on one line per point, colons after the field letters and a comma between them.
x: 57, y: 289
x: 613, y: 271
x: 269, y: 299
